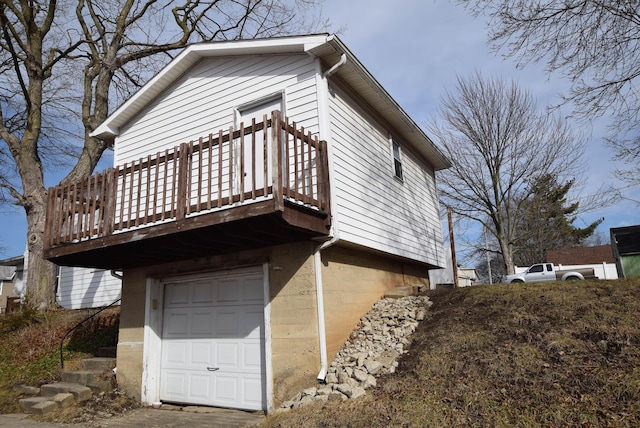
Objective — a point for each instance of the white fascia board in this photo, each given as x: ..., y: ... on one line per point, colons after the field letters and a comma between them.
x: 110, y: 128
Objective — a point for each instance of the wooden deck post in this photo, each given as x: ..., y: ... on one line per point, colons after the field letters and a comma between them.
x: 109, y: 202
x: 323, y: 179
x: 276, y: 160
x: 181, y: 198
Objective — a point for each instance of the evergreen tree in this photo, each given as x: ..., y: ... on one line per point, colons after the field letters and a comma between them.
x: 546, y: 221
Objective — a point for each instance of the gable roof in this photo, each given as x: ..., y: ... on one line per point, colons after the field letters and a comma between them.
x: 328, y: 48
x: 581, y: 255
x: 17, y: 261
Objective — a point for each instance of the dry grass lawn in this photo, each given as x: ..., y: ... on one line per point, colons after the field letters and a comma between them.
x: 551, y: 355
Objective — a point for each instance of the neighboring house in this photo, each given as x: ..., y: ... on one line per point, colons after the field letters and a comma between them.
x: 11, y: 280
x: 467, y: 277
x: 7, y: 275
x: 444, y: 277
x: 77, y: 288
x: 251, y: 245
x: 625, y: 242
x: 599, y: 257
x: 82, y: 288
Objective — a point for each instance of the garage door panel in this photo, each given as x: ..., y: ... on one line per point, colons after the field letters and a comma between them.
x: 253, y: 322
x: 176, y: 294
x: 175, y: 354
x: 202, y: 323
x: 200, y: 355
x: 228, y: 292
x: 252, y: 291
x: 177, y: 323
x: 227, y: 356
x: 174, y: 384
x: 214, y: 323
x: 226, y: 389
x: 228, y: 322
x: 251, y: 395
x: 199, y: 387
x: 252, y: 357
x: 202, y: 293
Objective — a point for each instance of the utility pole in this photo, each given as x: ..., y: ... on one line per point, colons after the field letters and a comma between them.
x: 454, y: 263
x: 486, y: 252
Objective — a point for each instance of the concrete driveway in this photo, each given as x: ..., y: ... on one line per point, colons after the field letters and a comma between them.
x: 165, y: 417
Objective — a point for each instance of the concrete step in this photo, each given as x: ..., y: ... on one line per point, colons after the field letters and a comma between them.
x: 107, y: 351
x: 402, y: 291
x: 44, y: 405
x: 95, y: 380
x: 83, y: 377
x: 80, y: 392
x: 98, y: 386
x: 101, y: 364
x: 76, y: 386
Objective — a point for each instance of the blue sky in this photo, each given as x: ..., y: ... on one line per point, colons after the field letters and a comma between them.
x: 415, y: 49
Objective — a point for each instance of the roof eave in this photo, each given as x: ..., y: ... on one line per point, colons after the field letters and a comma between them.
x: 322, y: 46
x: 386, y: 105
x: 110, y: 128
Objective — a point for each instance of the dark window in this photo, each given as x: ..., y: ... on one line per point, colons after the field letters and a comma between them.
x: 397, y: 161
x: 536, y: 268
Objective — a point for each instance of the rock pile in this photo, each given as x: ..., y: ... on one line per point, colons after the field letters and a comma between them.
x: 371, y: 350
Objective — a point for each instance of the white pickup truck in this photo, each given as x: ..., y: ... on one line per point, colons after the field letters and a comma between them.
x: 549, y: 272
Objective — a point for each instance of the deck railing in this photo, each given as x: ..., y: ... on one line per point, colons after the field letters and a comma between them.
x: 267, y: 160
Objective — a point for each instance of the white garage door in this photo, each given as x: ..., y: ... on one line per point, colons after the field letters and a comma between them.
x: 213, y: 341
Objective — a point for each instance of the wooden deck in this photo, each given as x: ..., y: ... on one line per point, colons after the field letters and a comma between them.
x: 264, y: 184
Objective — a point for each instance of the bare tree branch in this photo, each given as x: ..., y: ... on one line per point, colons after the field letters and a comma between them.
x: 594, y: 43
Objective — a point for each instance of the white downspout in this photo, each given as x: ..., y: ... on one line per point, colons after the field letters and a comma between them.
x: 340, y: 63
x: 322, y: 331
x: 334, y: 233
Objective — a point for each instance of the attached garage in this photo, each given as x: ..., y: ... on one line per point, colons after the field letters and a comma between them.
x: 212, y: 340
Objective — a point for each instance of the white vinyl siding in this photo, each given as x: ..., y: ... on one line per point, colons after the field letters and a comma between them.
x: 80, y: 288
x: 203, y: 101
x: 375, y: 209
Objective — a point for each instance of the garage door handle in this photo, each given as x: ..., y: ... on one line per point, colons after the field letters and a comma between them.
x: 213, y: 369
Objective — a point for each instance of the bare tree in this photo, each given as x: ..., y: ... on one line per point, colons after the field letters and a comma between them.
x: 498, y: 142
x: 64, y: 63
x: 595, y: 43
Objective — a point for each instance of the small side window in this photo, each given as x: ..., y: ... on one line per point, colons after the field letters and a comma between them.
x: 397, y: 160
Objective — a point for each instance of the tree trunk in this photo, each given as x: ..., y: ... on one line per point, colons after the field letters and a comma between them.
x: 507, y: 254
x: 41, y: 274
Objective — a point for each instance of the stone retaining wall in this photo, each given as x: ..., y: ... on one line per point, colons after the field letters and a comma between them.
x: 373, y: 348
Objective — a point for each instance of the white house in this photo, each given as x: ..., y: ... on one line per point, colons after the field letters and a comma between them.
x: 7, y: 277
x: 77, y: 288
x: 82, y: 288
x: 265, y: 194
x: 444, y: 277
